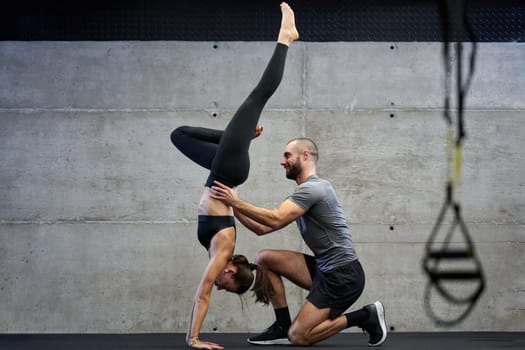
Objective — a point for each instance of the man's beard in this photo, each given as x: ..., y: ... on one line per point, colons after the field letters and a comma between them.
x: 294, y: 170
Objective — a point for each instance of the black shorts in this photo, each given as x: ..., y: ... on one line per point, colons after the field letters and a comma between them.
x: 209, y: 225
x: 337, y: 289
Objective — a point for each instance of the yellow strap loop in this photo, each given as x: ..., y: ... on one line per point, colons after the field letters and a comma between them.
x: 457, y: 162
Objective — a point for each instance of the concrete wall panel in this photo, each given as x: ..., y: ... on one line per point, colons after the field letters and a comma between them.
x: 98, y: 209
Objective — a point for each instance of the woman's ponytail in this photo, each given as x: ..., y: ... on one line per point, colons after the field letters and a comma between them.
x: 262, y: 288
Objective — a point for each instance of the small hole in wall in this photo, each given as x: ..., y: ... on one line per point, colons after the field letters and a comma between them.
x: 391, y: 228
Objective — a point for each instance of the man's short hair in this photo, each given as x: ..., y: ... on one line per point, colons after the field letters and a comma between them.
x: 305, y: 143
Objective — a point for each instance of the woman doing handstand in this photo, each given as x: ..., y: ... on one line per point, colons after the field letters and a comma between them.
x: 225, y: 154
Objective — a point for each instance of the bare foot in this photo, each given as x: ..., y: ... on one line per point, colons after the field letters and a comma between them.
x: 258, y: 131
x: 288, y: 32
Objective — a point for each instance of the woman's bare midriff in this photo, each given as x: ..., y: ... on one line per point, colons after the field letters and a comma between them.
x: 213, y: 207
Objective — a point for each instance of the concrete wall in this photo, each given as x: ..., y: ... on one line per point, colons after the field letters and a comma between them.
x: 97, y: 208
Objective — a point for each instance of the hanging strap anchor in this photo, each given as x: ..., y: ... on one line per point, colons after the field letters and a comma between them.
x: 438, y: 275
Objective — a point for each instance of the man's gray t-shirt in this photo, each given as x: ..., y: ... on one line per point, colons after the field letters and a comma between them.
x: 323, y: 225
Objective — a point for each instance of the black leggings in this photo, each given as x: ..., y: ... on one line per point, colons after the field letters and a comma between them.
x: 225, y: 153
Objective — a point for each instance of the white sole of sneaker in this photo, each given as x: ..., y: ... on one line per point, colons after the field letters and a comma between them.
x: 282, y: 341
x: 381, y: 314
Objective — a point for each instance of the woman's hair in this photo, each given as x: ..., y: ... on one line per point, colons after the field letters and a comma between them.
x: 262, y: 288
x: 244, y: 275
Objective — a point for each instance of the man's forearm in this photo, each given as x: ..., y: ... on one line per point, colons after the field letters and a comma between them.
x: 252, y: 225
x: 257, y: 215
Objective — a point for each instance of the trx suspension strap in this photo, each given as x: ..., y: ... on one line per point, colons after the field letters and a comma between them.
x: 445, y: 261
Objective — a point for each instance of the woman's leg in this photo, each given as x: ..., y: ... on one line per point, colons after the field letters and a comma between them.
x: 232, y: 163
x: 198, y: 144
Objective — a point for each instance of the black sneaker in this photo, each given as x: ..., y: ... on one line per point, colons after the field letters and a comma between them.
x: 274, y: 335
x: 375, y: 326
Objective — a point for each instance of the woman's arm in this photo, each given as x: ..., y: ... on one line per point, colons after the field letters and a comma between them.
x: 220, y: 253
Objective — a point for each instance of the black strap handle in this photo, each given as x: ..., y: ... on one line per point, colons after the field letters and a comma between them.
x: 438, y: 275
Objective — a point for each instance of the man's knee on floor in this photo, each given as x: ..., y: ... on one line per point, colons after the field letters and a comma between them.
x: 298, y: 337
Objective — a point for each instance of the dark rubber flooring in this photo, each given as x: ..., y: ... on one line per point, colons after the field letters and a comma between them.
x: 347, y: 341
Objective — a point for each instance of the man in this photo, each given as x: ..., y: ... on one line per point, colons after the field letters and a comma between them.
x: 333, y: 276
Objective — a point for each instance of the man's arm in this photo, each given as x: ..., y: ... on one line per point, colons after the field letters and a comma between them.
x: 252, y: 225
x: 274, y: 219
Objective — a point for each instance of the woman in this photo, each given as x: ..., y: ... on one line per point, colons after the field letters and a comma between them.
x: 225, y: 154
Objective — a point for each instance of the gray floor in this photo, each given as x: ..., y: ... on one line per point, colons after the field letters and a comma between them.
x: 395, y: 341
